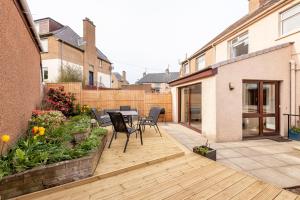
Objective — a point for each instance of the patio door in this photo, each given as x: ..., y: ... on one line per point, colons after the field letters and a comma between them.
x: 260, y: 108
x: 190, y: 106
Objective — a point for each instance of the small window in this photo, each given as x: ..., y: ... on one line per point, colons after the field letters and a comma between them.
x: 200, y: 63
x: 290, y: 20
x: 186, y: 68
x: 239, y: 46
x: 45, y: 73
x: 44, y: 43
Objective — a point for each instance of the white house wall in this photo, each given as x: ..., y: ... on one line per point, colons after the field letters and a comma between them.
x: 104, y: 79
x: 54, y: 67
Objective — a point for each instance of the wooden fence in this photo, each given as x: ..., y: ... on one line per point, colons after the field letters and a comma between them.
x: 113, y: 99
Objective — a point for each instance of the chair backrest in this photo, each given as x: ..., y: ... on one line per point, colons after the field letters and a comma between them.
x: 125, y: 108
x: 94, y: 112
x: 103, y: 121
x: 118, y: 122
x: 154, y: 113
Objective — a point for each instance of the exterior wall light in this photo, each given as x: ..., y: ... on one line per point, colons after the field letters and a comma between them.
x: 231, y: 87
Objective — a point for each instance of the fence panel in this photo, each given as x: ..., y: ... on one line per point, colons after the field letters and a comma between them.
x: 113, y: 99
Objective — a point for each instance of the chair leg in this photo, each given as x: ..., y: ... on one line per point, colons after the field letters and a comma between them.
x: 141, y: 136
x: 154, y: 129
x: 158, y: 130
x: 126, y: 144
x: 111, y: 139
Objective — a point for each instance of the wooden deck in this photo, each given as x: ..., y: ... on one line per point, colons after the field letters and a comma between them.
x: 184, y: 177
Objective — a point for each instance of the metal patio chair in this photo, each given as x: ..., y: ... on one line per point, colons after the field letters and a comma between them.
x: 119, y: 126
x: 151, y: 120
x: 102, y: 119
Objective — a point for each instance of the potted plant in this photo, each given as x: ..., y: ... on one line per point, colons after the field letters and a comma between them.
x: 294, y: 133
x: 206, y: 151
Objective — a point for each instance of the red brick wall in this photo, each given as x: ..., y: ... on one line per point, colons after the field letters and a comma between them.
x: 20, y: 88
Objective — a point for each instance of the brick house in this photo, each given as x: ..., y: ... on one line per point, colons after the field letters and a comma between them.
x: 119, y: 80
x: 241, y: 82
x: 20, y: 62
x: 159, y: 81
x: 64, y: 47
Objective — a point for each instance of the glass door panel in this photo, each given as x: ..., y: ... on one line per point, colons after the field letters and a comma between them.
x: 195, y: 106
x: 191, y: 106
x: 250, y: 127
x: 269, y: 98
x: 184, y: 105
x: 269, y: 124
x: 250, y: 98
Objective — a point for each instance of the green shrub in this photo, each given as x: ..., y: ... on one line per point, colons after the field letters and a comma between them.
x: 296, y: 130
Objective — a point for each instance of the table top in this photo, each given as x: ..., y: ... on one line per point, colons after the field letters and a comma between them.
x: 129, y: 113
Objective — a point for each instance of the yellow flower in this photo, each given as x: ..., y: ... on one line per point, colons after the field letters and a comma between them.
x: 41, y: 130
x: 35, y: 129
x: 5, y: 138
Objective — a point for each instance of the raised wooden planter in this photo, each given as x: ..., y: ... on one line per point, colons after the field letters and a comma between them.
x: 44, y: 177
x: 211, y: 154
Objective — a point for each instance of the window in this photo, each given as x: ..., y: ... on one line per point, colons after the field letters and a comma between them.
x: 239, y: 46
x: 45, y: 73
x: 186, y: 69
x: 44, y: 43
x: 290, y: 20
x: 200, y: 63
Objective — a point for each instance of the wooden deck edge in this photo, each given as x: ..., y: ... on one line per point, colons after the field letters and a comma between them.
x: 97, y: 177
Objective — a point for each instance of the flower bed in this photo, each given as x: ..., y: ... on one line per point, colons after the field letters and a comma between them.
x: 51, y: 156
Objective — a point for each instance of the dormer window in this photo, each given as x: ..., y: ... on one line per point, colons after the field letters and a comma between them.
x: 186, y: 69
x: 239, y: 45
x: 200, y: 63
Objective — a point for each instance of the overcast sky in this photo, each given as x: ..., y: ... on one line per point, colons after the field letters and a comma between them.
x: 145, y: 34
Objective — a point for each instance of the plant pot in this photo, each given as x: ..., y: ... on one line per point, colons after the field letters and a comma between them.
x: 211, y: 154
x: 294, y: 135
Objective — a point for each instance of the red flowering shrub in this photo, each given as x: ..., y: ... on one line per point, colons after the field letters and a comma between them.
x: 58, y: 99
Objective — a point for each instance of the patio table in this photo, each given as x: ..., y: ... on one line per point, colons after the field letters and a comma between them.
x: 125, y: 113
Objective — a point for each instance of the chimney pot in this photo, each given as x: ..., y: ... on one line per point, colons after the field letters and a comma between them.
x: 123, y: 75
x: 255, y: 4
x: 144, y: 74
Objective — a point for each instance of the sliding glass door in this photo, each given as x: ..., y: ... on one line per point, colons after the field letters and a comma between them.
x: 260, y: 108
x: 190, y: 106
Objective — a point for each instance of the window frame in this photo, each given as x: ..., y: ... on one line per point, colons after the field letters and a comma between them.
x: 281, y: 20
x: 45, y: 69
x: 239, y: 41
x: 185, y: 67
x: 197, y: 63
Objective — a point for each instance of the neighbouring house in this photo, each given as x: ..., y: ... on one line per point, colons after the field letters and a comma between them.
x: 119, y: 80
x: 159, y: 81
x: 145, y: 87
x: 64, y: 47
x: 20, y: 61
x: 241, y: 83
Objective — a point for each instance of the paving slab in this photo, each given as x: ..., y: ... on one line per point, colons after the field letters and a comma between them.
x: 269, y: 161
x: 273, y: 176
x: 246, y: 164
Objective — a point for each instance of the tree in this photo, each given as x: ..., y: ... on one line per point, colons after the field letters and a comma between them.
x: 70, y: 73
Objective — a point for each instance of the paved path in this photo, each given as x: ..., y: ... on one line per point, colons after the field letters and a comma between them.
x: 273, y: 162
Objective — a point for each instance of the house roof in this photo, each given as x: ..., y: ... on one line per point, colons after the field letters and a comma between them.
x: 235, y: 25
x: 119, y: 76
x: 69, y: 36
x: 159, y: 77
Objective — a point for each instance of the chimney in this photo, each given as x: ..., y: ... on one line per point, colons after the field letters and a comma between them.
x: 89, y: 30
x: 255, y: 4
x: 167, y: 71
x: 123, y: 76
x: 144, y: 74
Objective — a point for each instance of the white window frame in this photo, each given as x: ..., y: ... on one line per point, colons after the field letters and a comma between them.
x: 240, y: 39
x: 289, y: 16
x: 202, y: 57
x: 186, y: 68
